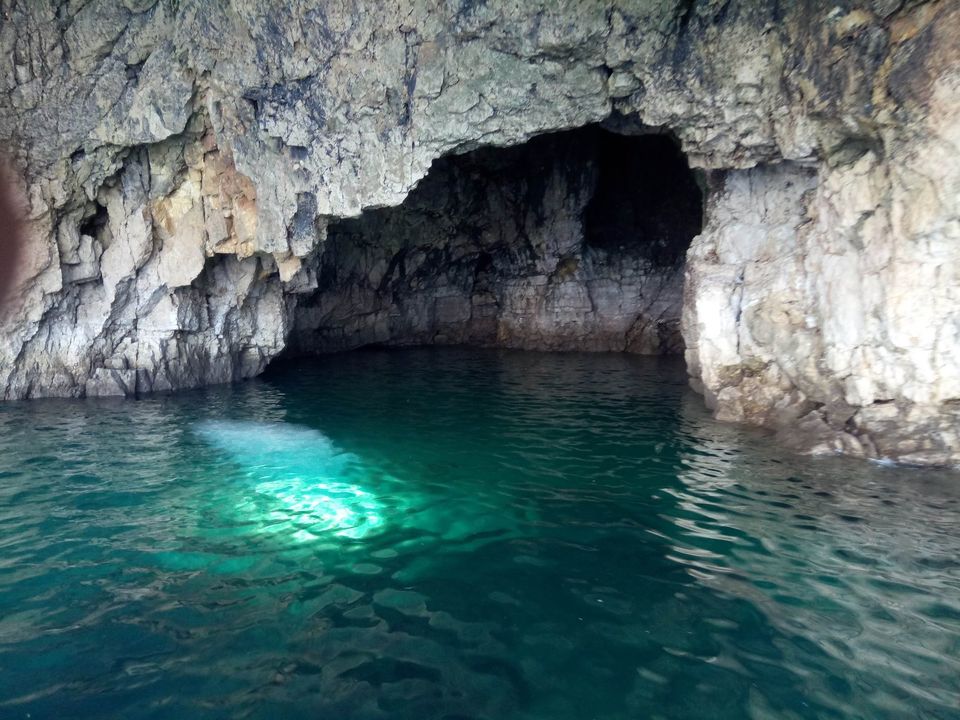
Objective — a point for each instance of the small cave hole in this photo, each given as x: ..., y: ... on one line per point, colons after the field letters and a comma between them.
x: 133, y: 71
x: 94, y: 222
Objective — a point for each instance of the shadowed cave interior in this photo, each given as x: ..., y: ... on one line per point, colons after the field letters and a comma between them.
x: 571, y: 241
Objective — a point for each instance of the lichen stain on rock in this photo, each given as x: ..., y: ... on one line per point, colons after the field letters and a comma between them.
x: 230, y: 195
x: 11, y: 236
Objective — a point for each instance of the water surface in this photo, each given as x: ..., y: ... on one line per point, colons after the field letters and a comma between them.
x: 461, y: 534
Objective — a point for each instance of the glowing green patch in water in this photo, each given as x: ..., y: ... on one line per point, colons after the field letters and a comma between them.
x: 302, y: 480
x: 321, y: 508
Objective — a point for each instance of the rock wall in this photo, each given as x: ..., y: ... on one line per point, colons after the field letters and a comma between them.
x: 824, y: 299
x: 835, y: 331
x: 181, y: 161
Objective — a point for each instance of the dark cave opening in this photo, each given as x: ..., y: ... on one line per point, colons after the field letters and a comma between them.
x: 574, y: 240
x: 96, y: 219
x: 646, y: 198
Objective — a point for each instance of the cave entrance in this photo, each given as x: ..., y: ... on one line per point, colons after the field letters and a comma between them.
x: 574, y: 240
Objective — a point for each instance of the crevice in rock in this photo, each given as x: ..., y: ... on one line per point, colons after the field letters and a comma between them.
x: 95, y: 221
x: 571, y: 241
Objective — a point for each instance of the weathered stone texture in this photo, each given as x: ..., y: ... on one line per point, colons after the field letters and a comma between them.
x: 181, y: 159
x: 824, y: 299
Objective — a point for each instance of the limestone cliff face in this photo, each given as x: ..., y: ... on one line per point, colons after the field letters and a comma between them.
x: 182, y: 162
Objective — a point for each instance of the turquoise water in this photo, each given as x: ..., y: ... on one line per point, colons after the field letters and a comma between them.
x: 453, y: 534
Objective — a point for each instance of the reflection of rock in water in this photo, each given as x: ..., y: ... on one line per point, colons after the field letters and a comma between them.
x: 850, y: 567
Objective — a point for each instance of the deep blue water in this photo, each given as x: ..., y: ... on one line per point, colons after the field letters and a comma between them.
x: 462, y: 534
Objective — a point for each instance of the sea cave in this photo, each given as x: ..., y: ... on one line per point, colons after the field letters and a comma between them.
x: 479, y: 359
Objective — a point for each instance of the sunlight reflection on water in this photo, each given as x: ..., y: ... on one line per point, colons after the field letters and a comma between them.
x: 303, y: 472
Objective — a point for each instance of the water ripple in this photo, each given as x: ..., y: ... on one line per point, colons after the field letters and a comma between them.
x: 453, y: 534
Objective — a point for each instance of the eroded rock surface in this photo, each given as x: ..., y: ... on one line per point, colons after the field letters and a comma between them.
x: 182, y: 160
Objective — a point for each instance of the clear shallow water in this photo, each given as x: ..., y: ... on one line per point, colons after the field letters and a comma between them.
x: 453, y: 534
